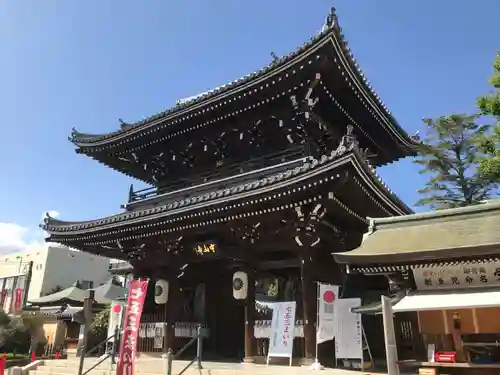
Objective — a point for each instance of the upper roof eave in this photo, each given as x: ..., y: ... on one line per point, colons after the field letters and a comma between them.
x: 309, y: 169
x: 83, y: 140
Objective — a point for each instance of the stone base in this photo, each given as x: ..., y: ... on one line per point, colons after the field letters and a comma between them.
x: 249, y: 360
x: 306, y: 361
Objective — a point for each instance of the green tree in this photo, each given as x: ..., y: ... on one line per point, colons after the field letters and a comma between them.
x: 489, y: 105
x: 450, y: 157
x: 16, y: 333
x: 100, y: 321
x: 99, y: 328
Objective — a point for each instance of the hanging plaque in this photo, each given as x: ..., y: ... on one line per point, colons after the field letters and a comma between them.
x: 458, y: 276
x: 206, y: 249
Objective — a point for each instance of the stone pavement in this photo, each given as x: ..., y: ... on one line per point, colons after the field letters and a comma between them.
x: 156, y: 366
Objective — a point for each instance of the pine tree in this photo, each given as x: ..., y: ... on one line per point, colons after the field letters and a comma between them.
x: 450, y: 156
x: 489, y: 105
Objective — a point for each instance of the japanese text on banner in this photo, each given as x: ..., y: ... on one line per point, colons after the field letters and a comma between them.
x: 283, y: 329
x: 128, y: 346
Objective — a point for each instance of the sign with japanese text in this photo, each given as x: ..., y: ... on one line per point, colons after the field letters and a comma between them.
x: 128, y: 346
x: 205, y: 249
x: 282, y: 329
x: 327, y: 297
x: 349, y: 332
x: 459, y: 276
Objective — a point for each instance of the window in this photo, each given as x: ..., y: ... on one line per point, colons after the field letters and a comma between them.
x: 9, y: 285
x: 86, y: 284
x: 21, y: 282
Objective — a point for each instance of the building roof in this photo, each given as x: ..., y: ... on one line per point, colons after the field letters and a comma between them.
x: 453, y: 233
x: 69, y: 295
x: 103, y: 294
x: 109, y: 292
x: 300, y: 178
x: 239, y: 90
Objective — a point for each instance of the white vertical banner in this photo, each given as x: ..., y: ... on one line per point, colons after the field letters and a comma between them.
x: 282, y: 330
x: 349, y: 331
x: 327, y: 298
x: 115, y: 318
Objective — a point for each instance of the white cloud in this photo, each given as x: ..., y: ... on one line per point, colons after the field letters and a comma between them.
x: 16, y: 238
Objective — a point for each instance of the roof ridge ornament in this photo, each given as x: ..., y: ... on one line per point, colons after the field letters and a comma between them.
x: 416, y: 136
x: 47, y: 218
x: 74, y: 134
x: 348, y: 142
x: 124, y: 125
x: 331, y: 20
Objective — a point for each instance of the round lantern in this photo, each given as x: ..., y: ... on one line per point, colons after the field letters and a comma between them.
x: 161, y: 292
x: 240, y: 285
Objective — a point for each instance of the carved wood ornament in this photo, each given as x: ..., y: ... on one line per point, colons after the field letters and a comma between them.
x: 308, y: 219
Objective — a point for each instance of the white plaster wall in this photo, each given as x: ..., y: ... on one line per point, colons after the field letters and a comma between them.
x: 55, y: 266
x: 65, y: 266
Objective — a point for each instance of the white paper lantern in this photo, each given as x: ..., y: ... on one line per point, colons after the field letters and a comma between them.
x: 161, y: 292
x: 240, y: 285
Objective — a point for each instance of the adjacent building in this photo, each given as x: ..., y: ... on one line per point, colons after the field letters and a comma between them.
x: 32, y: 274
x: 442, y: 272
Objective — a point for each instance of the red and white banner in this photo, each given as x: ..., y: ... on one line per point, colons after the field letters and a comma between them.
x: 327, y: 295
x: 128, y: 346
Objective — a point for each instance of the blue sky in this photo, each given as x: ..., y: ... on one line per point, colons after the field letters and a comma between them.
x: 88, y: 63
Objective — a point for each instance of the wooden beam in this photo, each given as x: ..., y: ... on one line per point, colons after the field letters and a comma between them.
x: 278, y: 264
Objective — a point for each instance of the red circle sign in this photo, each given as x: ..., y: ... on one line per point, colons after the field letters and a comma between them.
x: 329, y: 296
x: 117, y: 308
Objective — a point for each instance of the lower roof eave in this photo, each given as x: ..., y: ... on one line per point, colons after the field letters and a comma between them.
x: 296, y: 180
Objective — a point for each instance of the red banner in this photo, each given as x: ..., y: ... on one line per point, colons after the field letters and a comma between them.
x: 128, y: 346
x: 18, y: 305
x: 4, y: 294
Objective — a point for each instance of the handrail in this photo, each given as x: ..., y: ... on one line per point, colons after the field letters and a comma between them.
x: 107, y: 354
x: 213, y: 175
x: 90, y: 351
x: 199, y: 347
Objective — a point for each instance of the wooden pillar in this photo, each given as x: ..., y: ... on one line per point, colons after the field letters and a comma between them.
x: 307, y: 239
x: 250, y: 344
x: 171, y: 308
x: 309, y: 308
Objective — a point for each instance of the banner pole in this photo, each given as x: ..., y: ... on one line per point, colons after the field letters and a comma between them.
x: 317, y: 319
x: 316, y: 365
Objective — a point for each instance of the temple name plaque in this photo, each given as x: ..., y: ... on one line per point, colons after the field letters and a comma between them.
x: 457, y: 276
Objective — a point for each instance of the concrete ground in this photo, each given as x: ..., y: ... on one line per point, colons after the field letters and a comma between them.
x: 156, y: 366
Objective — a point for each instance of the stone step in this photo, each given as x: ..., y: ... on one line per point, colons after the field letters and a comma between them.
x: 157, y: 367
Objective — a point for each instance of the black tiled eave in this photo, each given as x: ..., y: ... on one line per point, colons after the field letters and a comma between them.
x: 310, y: 164
x: 90, y: 138
x: 326, y: 162
x: 334, y: 32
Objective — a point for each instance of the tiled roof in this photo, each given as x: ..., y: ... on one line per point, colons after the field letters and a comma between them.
x: 332, y: 27
x: 425, y: 235
x: 310, y: 164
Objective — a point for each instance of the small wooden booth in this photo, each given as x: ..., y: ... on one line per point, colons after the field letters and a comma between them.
x: 448, y: 264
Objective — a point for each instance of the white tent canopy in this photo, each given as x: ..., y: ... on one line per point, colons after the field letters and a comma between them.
x: 448, y: 300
